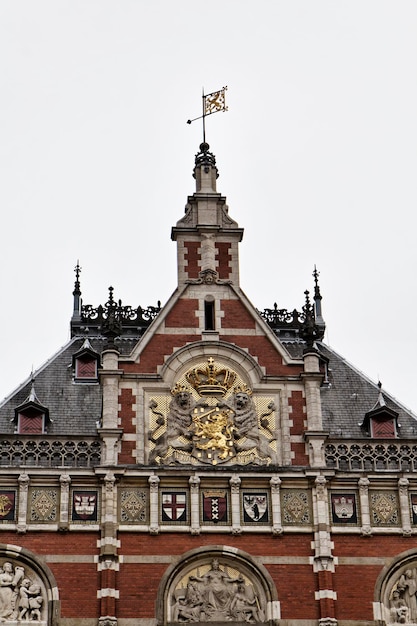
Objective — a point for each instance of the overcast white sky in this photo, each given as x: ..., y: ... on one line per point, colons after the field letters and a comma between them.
x: 317, y: 157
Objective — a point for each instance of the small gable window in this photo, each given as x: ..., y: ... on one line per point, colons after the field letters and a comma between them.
x: 31, y: 418
x: 381, y: 422
x: 86, y: 367
x: 31, y: 422
x: 85, y: 363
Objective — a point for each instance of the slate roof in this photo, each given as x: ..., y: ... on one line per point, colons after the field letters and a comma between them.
x: 348, y: 395
x: 74, y: 408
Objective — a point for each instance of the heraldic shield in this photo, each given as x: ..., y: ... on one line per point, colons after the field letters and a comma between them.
x: 211, y: 418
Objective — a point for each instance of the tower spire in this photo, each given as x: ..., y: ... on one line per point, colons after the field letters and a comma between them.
x: 317, y: 302
x: 76, y: 314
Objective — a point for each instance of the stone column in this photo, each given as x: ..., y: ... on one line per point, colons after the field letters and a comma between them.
x: 154, y: 504
x: 314, y: 435
x: 194, y: 482
x: 65, y: 481
x: 235, y: 491
x: 323, y: 562
x: 364, y: 500
x: 23, y: 481
x: 403, y: 484
x: 275, y: 483
x: 109, y: 431
x: 108, y: 563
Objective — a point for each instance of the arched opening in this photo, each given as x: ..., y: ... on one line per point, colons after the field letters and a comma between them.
x: 28, y: 590
x: 217, y: 584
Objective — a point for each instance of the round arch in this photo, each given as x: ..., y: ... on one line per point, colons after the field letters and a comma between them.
x: 240, y: 360
x: 391, y: 589
x: 25, y: 571
x: 230, y: 584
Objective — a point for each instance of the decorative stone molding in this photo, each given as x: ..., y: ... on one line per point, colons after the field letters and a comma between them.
x: 364, y: 501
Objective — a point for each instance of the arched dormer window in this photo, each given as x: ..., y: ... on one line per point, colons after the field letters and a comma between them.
x: 85, y: 363
x: 31, y: 418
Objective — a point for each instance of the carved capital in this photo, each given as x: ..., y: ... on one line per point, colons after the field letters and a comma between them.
x: 65, y: 480
x: 154, y: 530
x: 153, y: 483
x: 363, y: 485
x: 194, y: 482
x: 366, y: 531
x: 107, y: 621
x: 403, y: 484
x: 327, y: 621
x: 275, y: 483
x: 109, y: 481
x: 23, y: 481
x: 236, y: 530
x: 235, y: 484
x: 320, y: 483
x: 277, y: 531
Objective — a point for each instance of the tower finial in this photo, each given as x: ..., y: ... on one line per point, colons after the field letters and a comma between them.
x: 317, y: 302
x: 76, y: 314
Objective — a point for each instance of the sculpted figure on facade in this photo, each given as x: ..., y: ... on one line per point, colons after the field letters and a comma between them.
x: 216, y: 596
x: 178, y: 422
x: 407, y: 586
x: 220, y: 426
x: 20, y: 597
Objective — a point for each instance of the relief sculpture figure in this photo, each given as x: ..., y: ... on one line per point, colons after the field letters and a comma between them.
x: 407, y: 586
x: 20, y: 598
x: 178, y: 422
x: 247, y: 434
x: 215, y: 597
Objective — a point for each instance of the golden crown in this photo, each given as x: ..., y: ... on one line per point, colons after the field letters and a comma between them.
x: 211, y: 379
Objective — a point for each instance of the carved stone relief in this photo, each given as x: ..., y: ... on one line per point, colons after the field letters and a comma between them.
x: 212, y: 418
x: 216, y: 592
x: 22, y: 595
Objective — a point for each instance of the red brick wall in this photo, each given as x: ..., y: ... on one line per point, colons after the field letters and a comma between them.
x: 193, y: 258
x: 183, y: 314
x: 126, y: 412
x: 224, y: 259
x: 236, y: 315
x: 153, y: 354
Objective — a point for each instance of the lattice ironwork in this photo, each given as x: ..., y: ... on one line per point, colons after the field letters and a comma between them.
x: 282, y: 318
x: 42, y: 452
x: 366, y: 456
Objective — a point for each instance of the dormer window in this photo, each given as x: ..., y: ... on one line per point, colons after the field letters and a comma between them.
x: 86, y: 367
x: 31, y: 418
x: 85, y: 363
x: 31, y: 422
x: 381, y: 422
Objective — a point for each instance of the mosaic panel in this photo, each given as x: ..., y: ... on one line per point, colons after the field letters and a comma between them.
x: 84, y: 506
x: 133, y: 506
x: 344, y: 508
x: 296, y: 507
x: 43, y: 505
x: 384, y: 508
x: 255, y: 507
x: 174, y: 507
x: 7, y: 505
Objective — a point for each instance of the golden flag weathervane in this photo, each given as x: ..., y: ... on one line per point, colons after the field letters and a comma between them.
x: 212, y: 103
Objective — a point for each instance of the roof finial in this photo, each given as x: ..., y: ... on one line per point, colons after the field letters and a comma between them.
x: 317, y: 302
x: 76, y: 314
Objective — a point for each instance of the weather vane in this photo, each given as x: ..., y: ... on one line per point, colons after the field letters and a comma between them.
x: 212, y: 103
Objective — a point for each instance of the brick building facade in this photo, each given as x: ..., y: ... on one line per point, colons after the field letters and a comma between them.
x: 205, y: 462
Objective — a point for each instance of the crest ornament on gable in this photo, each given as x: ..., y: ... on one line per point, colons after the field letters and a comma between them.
x: 213, y: 419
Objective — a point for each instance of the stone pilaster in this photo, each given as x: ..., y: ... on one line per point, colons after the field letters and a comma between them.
x: 154, y: 504
x: 23, y: 481
x: 194, y: 482
x: 314, y: 435
x: 275, y: 483
x: 364, y: 500
x: 403, y: 485
x: 65, y: 481
x: 235, y: 492
x: 110, y: 432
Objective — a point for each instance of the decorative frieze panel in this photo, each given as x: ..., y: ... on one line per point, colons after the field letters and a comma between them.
x: 384, y: 508
x: 43, y: 505
x: 296, y: 507
x: 133, y: 505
